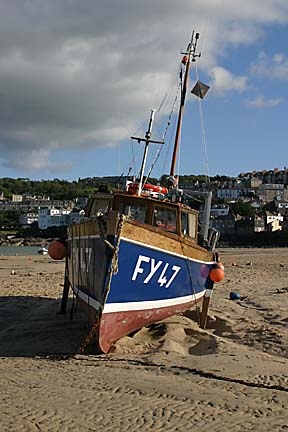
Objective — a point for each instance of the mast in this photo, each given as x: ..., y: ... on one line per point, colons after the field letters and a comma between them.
x: 147, y: 141
x: 189, y: 56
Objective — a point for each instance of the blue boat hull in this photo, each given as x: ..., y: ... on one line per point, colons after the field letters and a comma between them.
x: 150, y: 284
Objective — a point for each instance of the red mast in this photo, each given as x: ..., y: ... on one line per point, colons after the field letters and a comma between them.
x: 189, y: 56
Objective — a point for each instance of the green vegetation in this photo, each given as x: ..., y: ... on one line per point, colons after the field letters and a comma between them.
x: 243, y: 208
x: 9, y: 220
x: 56, y: 189
x: 64, y: 190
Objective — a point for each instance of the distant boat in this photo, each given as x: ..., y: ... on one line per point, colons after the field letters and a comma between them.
x: 138, y: 257
x: 43, y: 250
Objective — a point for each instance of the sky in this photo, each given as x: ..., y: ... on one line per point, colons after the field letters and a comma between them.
x: 79, y: 78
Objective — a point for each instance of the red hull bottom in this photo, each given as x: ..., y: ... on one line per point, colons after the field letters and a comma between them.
x: 115, y: 325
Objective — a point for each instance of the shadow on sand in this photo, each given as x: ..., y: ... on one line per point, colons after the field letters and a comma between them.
x: 32, y: 326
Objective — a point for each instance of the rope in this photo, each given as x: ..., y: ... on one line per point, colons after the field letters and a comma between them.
x: 193, y: 294
x: 91, y: 332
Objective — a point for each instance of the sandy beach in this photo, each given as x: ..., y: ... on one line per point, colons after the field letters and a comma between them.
x: 172, y: 376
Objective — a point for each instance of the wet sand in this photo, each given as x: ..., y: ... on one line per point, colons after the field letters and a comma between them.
x: 172, y: 376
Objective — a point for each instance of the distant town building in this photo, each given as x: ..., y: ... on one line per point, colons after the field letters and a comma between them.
x: 281, y: 207
x: 27, y: 219
x: 229, y: 194
x: 219, y: 210
x: 255, y: 182
x: 81, y: 202
x: 17, y: 198
x: 269, y: 192
x: 259, y: 224
x: 274, y: 222
x: 225, y: 224
x: 50, y: 216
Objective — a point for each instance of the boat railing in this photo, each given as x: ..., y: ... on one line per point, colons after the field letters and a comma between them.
x: 213, y: 238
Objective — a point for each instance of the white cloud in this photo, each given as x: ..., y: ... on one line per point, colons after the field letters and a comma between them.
x: 261, y: 102
x: 38, y: 160
x: 270, y: 67
x: 80, y: 74
x: 224, y: 81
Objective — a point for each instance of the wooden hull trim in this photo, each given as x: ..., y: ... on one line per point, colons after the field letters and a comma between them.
x: 175, y: 254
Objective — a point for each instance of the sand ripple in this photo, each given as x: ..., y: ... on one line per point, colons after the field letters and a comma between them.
x: 172, y: 376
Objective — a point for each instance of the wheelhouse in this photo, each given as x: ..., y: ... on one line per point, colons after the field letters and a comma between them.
x: 160, y: 215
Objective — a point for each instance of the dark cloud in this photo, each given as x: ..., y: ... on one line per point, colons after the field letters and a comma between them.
x: 81, y: 73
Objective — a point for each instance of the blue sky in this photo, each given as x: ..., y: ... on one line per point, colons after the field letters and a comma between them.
x: 77, y: 79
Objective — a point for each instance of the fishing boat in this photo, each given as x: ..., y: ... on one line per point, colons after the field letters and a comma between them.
x: 137, y: 256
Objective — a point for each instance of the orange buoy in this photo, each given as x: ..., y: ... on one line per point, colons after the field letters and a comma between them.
x: 155, y: 188
x: 217, y: 272
x: 57, y: 250
x: 147, y: 187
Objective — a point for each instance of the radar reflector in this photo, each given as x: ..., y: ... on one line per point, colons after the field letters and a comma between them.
x: 200, y: 89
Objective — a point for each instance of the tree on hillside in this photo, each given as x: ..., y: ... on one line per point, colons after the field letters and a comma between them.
x: 243, y: 208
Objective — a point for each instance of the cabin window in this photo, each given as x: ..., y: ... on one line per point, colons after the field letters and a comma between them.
x: 165, y: 219
x: 189, y: 224
x: 134, y: 211
x: 99, y: 206
x: 184, y: 223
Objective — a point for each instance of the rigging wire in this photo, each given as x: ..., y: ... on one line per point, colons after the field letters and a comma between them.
x: 167, y: 96
x: 160, y: 147
x: 170, y: 144
x: 203, y: 135
x: 179, y: 90
x: 171, y: 112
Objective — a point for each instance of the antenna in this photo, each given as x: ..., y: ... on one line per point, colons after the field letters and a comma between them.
x: 147, y: 141
x: 192, y: 46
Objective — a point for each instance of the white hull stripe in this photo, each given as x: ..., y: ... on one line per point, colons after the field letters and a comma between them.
x: 208, y: 292
x: 134, y: 306
x: 87, y: 299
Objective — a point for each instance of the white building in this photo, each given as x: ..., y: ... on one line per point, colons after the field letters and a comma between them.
x: 17, y: 198
x: 28, y: 219
x: 281, y: 206
x: 50, y: 216
x: 274, y: 222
